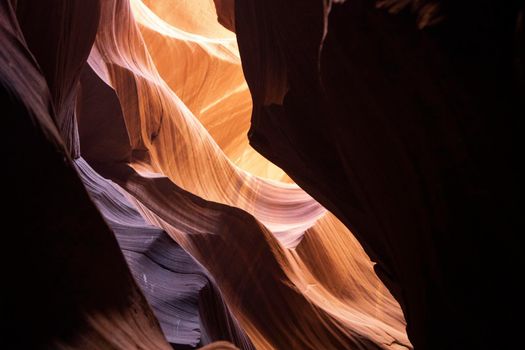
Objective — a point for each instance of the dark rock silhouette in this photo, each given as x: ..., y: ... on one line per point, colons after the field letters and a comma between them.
x: 410, y: 137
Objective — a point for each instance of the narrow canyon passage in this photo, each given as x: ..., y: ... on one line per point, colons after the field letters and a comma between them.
x: 308, y: 174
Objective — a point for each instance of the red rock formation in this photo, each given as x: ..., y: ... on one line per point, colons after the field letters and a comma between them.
x: 176, y: 145
x: 149, y: 220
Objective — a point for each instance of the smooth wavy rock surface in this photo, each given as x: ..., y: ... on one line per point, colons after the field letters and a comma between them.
x: 176, y: 150
x: 172, y: 281
x: 222, y: 245
x: 151, y: 221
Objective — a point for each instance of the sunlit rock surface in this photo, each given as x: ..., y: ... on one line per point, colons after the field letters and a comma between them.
x: 151, y: 222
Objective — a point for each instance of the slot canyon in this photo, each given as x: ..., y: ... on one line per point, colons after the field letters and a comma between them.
x: 261, y: 174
